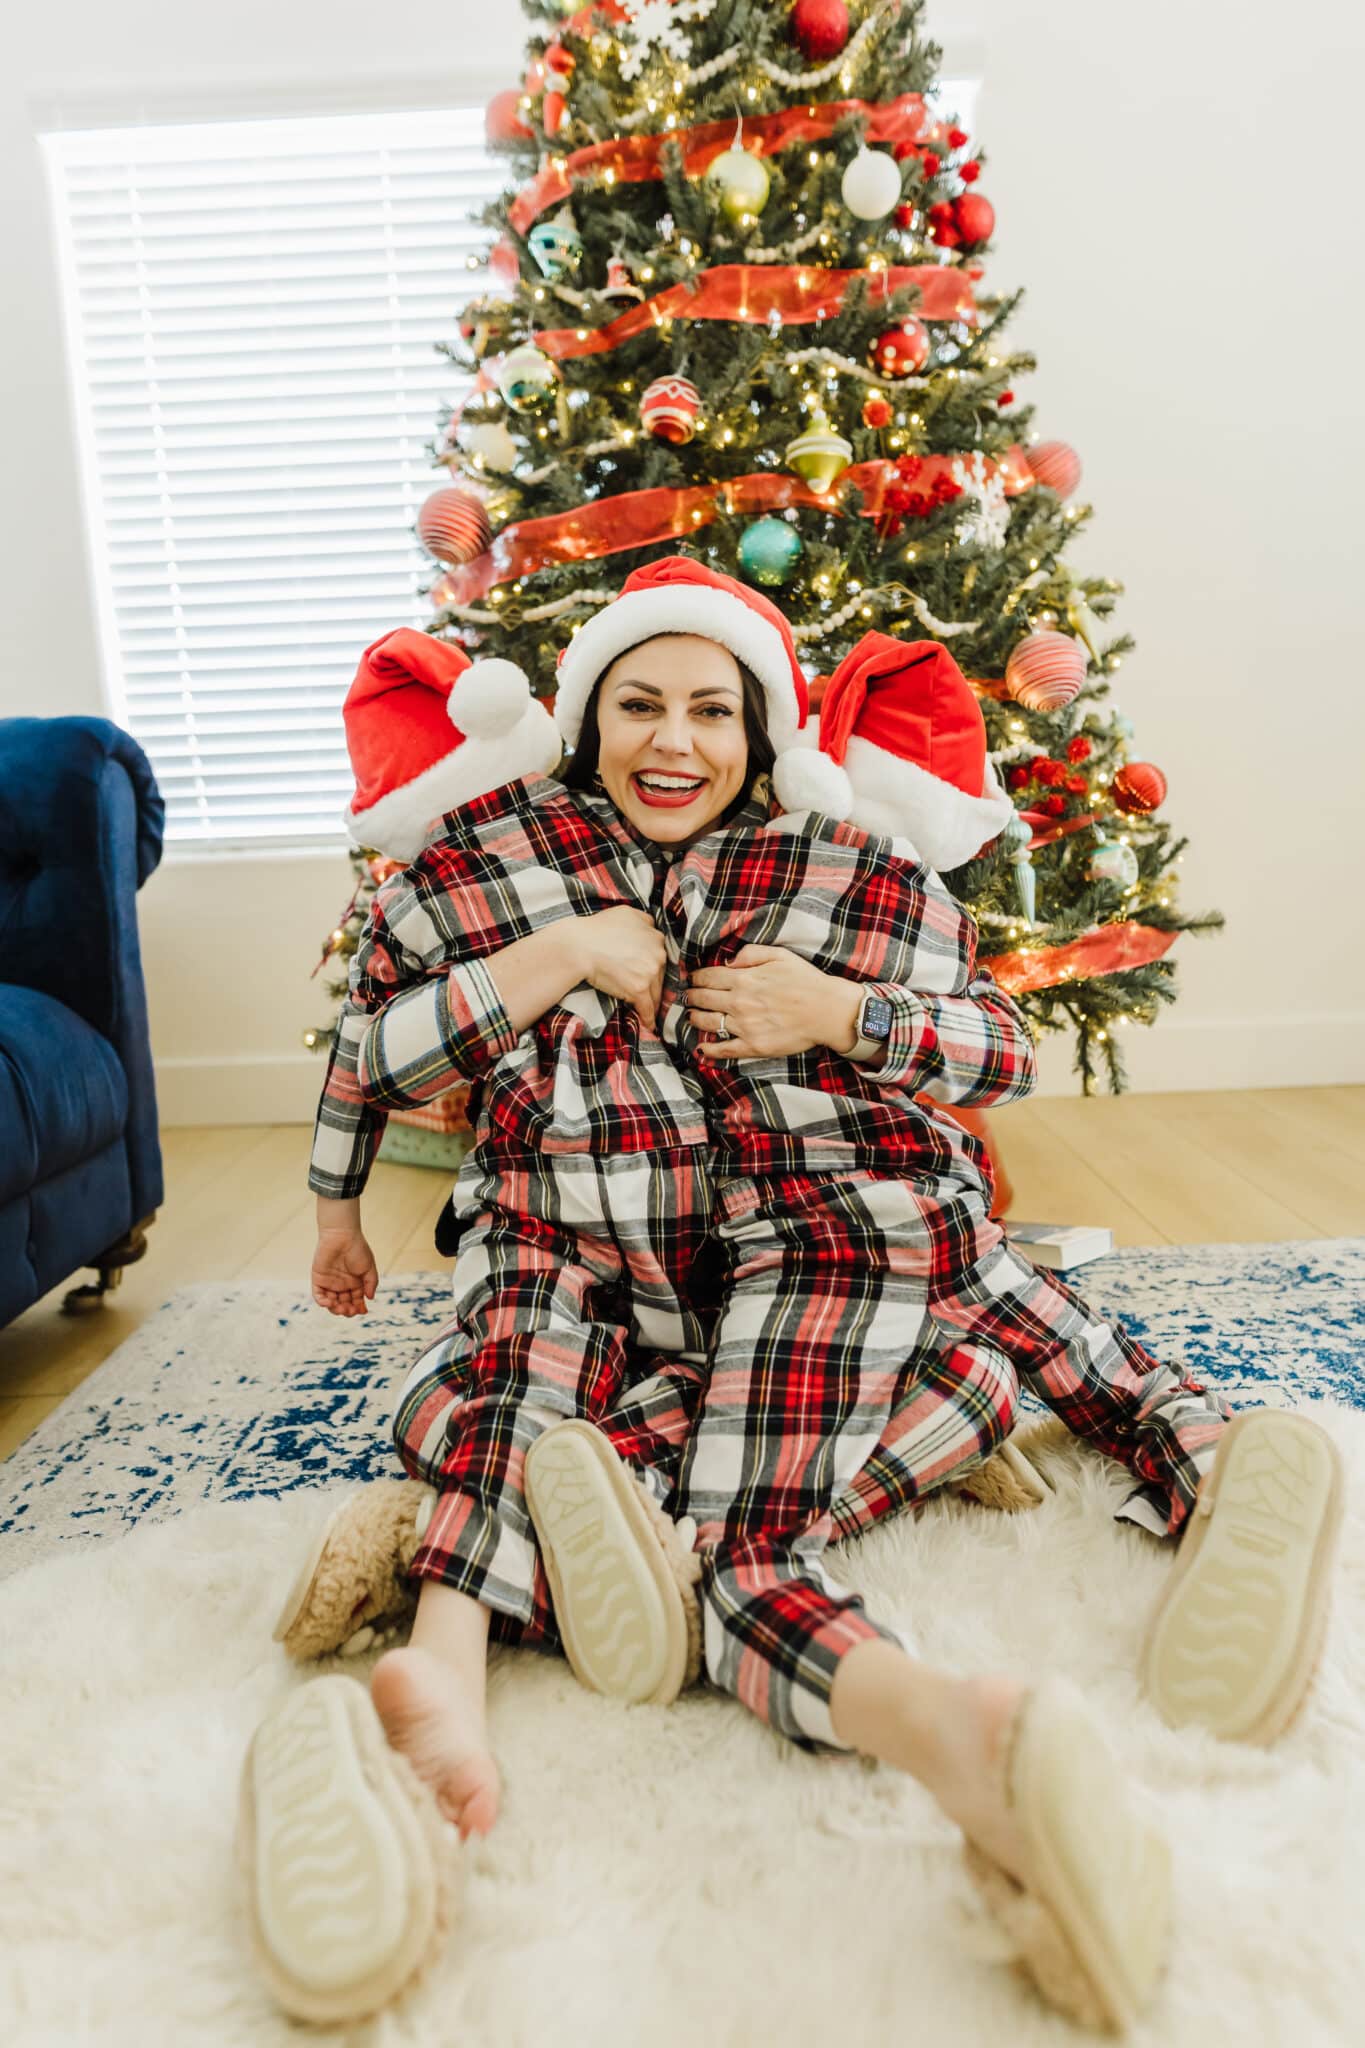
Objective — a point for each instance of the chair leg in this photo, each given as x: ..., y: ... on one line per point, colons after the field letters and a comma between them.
x: 83, y: 1301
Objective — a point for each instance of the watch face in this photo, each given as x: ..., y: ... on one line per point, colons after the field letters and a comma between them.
x: 876, y: 1018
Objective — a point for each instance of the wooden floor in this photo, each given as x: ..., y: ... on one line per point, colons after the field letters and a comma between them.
x: 1158, y: 1169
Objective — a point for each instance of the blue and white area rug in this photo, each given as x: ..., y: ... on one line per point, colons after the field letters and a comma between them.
x: 233, y: 1391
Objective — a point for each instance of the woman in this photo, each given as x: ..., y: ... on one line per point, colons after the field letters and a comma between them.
x: 677, y: 762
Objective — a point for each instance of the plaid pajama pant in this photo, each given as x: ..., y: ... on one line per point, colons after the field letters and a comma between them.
x: 572, y: 1298
x: 805, y: 1428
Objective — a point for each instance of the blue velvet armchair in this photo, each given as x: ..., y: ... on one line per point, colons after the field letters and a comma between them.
x: 80, y: 1159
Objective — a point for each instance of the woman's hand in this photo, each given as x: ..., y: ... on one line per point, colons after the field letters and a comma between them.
x: 625, y: 957
x: 345, y: 1276
x: 771, y: 1003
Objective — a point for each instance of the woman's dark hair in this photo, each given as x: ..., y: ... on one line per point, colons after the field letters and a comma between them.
x: 581, y: 767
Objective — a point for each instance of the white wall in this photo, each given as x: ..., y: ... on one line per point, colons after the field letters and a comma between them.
x: 1174, y: 190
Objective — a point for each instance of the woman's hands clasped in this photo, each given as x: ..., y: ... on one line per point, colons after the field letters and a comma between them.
x: 770, y: 1003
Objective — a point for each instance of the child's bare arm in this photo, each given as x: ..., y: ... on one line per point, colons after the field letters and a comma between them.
x: 345, y: 1277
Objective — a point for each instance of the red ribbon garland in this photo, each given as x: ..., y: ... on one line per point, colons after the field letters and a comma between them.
x: 636, y: 519
x: 1107, y: 950
x: 752, y: 291
x: 638, y: 159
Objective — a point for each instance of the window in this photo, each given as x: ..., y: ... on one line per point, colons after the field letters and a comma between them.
x: 252, y: 311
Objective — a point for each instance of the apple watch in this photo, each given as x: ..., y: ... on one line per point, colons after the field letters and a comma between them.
x: 874, y: 1027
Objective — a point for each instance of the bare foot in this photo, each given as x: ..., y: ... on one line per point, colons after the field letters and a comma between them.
x: 431, y: 1721
x: 970, y: 1746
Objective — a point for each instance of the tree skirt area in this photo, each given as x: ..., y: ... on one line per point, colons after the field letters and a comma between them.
x: 659, y: 1875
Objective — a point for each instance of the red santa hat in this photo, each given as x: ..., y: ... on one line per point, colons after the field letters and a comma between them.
x: 901, y: 750
x: 678, y: 595
x: 427, y: 729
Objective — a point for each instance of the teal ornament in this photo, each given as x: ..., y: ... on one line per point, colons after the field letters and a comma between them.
x: 526, y: 378
x: 769, y: 551
x: 1113, y: 862
x: 557, y: 247
x: 1017, y: 836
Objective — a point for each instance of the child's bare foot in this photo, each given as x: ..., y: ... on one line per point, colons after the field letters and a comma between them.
x: 430, y: 1720
x: 969, y: 1749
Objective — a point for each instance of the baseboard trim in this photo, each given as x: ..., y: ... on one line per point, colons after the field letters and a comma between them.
x: 1177, y: 1056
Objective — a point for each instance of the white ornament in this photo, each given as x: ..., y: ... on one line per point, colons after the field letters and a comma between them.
x: 492, y: 443
x: 871, y: 184
x: 986, y: 524
x: 654, y: 27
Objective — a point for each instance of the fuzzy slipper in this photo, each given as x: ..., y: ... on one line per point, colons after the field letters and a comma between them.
x: 352, y: 1876
x: 351, y: 1586
x: 1236, y: 1639
x: 623, y: 1578
x: 1090, y: 1925
x: 1010, y: 1481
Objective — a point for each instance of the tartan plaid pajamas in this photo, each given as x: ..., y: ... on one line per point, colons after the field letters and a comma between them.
x: 885, y: 1372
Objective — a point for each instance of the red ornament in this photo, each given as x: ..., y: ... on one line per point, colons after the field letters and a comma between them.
x: 1005, y: 398
x: 502, y: 120
x: 1044, y: 672
x: 876, y: 411
x: 453, y: 526
x: 932, y: 164
x: 902, y: 351
x: 945, y: 234
x: 1139, y: 786
x: 905, y: 216
x: 819, y: 28
x: 974, y: 217
x: 1079, y: 748
x: 1055, y: 806
x: 560, y: 61
x: 1018, y: 776
x: 969, y: 173
x: 552, y: 111
x: 1055, y: 466
x: 904, y: 150
x: 958, y: 138
x: 1077, y: 783
x: 669, y: 408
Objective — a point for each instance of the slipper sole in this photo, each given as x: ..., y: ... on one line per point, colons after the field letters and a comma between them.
x: 618, y: 1607
x: 350, y: 1870
x: 1238, y: 1634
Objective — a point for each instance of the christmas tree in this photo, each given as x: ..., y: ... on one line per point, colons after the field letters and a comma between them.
x: 737, y: 305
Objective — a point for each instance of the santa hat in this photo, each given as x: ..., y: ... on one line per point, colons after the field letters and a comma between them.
x: 678, y: 595
x: 427, y: 729
x: 902, y: 751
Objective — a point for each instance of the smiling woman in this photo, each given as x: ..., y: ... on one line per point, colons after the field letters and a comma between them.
x: 675, y: 733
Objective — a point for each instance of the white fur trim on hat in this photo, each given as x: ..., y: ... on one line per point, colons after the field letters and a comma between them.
x: 900, y: 799
x: 677, y: 608
x: 488, y: 699
x: 804, y: 779
x: 397, y: 824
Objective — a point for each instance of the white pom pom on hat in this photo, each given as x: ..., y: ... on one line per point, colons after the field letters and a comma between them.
x: 489, y: 699
x: 806, y: 780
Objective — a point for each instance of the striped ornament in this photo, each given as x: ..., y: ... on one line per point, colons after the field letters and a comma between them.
x: 1056, y: 466
x: 669, y: 408
x: 1045, y: 671
x: 453, y: 526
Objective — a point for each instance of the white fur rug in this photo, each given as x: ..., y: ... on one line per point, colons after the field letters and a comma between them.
x: 667, y: 1877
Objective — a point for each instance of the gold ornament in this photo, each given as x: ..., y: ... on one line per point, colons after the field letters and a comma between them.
x: 740, y: 180
x: 819, y: 455
x: 1084, y: 624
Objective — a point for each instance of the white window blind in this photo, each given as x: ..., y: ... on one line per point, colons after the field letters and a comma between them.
x: 252, y: 311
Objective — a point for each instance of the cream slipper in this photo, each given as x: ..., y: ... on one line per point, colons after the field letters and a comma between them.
x: 352, y: 1876
x: 351, y: 1587
x: 1239, y: 1631
x: 1010, y: 1481
x: 1090, y: 1925
x: 622, y: 1576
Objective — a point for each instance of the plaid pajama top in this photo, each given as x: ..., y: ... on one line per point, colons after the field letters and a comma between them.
x: 588, y: 1077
